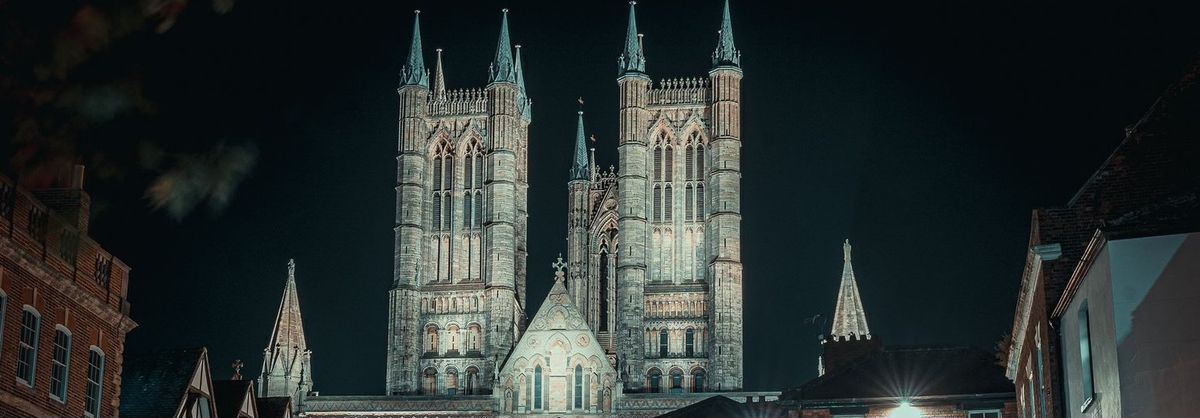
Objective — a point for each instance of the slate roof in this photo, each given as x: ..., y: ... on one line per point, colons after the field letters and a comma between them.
x: 229, y: 396
x: 154, y: 384
x: 273, y: 407
x: 914, y: 371
x: 723, y: 407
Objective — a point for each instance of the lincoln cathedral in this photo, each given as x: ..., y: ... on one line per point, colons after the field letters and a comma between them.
x: 645, y: 314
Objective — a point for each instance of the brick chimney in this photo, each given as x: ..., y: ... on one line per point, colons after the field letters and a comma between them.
x: 67, y: 198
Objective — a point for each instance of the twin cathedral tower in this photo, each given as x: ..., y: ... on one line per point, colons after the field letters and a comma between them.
x: 653, y: 260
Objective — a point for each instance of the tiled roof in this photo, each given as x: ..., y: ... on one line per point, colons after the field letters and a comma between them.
x: 229, y: 396
x: 897, y: 372
x: 153, y: 385
x: 723, y: 407
x: 273, y: 407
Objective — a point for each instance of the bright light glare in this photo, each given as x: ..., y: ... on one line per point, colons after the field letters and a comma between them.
x: 905, y: 410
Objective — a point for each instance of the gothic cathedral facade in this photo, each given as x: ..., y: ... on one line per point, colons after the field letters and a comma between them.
x: 456, y: 302
x: 654, y: 265
x: 654, y: 256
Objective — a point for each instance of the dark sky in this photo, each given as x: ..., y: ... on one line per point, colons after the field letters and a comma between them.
x: 924, y: 133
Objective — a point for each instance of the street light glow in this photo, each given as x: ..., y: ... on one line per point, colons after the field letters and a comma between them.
x: 905, y: 410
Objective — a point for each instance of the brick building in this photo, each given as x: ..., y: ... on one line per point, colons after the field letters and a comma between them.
x: 1147, y: 188
x: 63, y: 307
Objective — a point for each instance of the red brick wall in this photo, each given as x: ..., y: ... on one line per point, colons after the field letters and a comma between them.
x: 34, y: 272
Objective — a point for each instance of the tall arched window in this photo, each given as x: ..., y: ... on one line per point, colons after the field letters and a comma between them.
x: 604, y: 297
x: 689, y: 342
x: 473, y: 337
x: 658, y: 163
x: 95, y: 382
x: 429, y: 383
x: 60, y: 363
x: 700, y: 202
x: 452, y: 337
x: 451, y: 381
x: 657, y: 215
x: 662, y: 343
x: 698, y: 380
x: 578, y: 386
x: 655, y: 380
x: 669, y: 205
x: 443, y: 203
x: 431, y: 339
x: 676, y: 381
x: 472, y: 381
x: 669, y: 166
x: 537, y: 388
x: 31, y: 324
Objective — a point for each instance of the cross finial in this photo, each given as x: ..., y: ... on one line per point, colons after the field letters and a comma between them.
x: 237, y: 370
x: 558, y: 267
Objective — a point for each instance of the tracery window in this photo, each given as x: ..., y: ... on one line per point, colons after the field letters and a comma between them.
x: 694, y: 178
x: 473, y: 208
x: 443, y: 203
x: 663, y: 175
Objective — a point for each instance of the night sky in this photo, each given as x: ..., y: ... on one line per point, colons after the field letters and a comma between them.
x: 923, y: 133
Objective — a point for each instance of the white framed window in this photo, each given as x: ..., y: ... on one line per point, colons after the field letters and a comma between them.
x: 60, y: 367
x: 31, y: 323
x: 983, y: 413
x: 95, y: 382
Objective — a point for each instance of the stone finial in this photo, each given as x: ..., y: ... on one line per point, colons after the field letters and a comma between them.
x: 237, y: 370
x: 558, y: 267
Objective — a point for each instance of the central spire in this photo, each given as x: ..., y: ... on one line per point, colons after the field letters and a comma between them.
x: 631, y: 59
x: 849, y: 319
x: 413, y: 73
x: 502, y: 70
x: 579, y: 167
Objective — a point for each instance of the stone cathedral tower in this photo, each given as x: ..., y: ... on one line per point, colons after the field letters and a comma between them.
x: 654, y: 248
x: 461, y: 183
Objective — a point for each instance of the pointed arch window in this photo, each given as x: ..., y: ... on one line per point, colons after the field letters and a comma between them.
x: 442, y: 185
x: 657, y: 204
x: 669, y: 197
x: 473, y: 186
x: 578, y: 386
x: 537, y: 388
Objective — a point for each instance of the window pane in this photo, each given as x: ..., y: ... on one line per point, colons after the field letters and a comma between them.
x: 27, y: 351
x: 670, y: 166
x: 95, y: 371
x: 58, y: 375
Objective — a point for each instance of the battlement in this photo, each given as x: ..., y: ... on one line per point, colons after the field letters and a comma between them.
x: 680, y: 91
x: 460, y: 102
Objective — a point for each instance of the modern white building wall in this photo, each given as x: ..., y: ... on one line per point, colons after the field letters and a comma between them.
x: 1141, y: 297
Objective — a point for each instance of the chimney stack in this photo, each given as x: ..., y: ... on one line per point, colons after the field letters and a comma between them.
x: 67, y: 198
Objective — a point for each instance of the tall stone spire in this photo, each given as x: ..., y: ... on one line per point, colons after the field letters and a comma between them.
x: 439, y: 79
x: 285, y: 370
x: 501, y: 70
x: 414, y: 73
x: 631, y: 59
x: 579, y: 167
x: 726, y: 53
x: 523, y: 101
x: 849, y: 320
